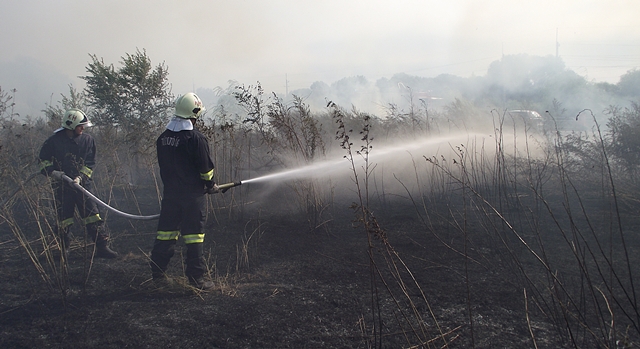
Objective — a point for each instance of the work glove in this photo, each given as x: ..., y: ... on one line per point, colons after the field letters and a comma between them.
x: 212, y: 190
x: 78, y: 180
x: 57, y: 174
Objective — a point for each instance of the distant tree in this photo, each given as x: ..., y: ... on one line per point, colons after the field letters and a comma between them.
x: 345, y: 90
x: 629, y: 84
x: 522, y: 72
x: 530, y: 78
x: 320, y: 88
x: 130, y: 103
x: 134, y: 96
x: 6, y: 103
x: 624, y: 135
x: 608, y: 88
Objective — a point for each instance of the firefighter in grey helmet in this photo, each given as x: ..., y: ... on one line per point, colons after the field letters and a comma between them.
x: 71, y: 152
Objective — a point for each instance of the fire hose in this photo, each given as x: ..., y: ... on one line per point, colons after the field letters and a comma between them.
x: 103, y: 204
x: 221, y: 188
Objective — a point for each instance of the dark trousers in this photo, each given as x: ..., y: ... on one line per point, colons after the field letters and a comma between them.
x: 69, y: 199
x: 180, y: 216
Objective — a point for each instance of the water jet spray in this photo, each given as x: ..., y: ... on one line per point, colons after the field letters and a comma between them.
x: 384, y: 153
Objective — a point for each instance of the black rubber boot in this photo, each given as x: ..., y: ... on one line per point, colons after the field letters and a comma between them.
x: 163, y: 281
x: 103, y: 250
x: 201, y: 283
x: 161, y: 254
x: 97, y: 231
x: 195, y: 267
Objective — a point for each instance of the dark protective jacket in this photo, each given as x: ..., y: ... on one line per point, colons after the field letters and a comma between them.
x: 185, y: 162
x: 73, y: 156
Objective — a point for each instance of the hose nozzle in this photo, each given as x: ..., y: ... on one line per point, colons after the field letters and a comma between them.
x: 224, y: 187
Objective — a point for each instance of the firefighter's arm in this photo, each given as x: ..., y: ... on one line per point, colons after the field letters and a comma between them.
x: 46, y: 159
x: 46, y: 165
x: 86, y: 171
x: 210, y: 186
x: 205, y: 165
x: 47, y: 169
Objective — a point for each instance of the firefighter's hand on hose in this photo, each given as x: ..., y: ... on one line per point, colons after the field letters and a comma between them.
x: 57, y: 175
x: 212, y: 190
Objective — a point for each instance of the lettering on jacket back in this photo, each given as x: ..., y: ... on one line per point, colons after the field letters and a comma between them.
x: 170, y: 141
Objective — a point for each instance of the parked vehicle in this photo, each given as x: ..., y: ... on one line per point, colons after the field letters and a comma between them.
x: 532, y: 119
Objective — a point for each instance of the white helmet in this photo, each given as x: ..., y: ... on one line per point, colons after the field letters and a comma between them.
x: 74, y: 117
x: 189, y: 106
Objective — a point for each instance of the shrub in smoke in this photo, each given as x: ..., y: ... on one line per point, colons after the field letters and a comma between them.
x: 289, y: 136
x: 624, y: 136
x: 629, y: 84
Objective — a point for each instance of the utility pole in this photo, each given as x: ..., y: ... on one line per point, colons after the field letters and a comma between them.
x: 286, y: 85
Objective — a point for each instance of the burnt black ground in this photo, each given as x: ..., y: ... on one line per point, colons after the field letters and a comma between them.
x: 299, y: 289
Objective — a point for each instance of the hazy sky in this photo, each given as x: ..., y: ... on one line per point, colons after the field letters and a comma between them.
x: 46, y: 43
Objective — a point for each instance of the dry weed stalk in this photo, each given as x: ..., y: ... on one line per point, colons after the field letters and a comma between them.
x: 517, y: 203
x: 390, y: 273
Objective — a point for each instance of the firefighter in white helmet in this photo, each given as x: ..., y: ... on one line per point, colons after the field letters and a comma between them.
x: 70, y: 151
x: 186, y: 170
